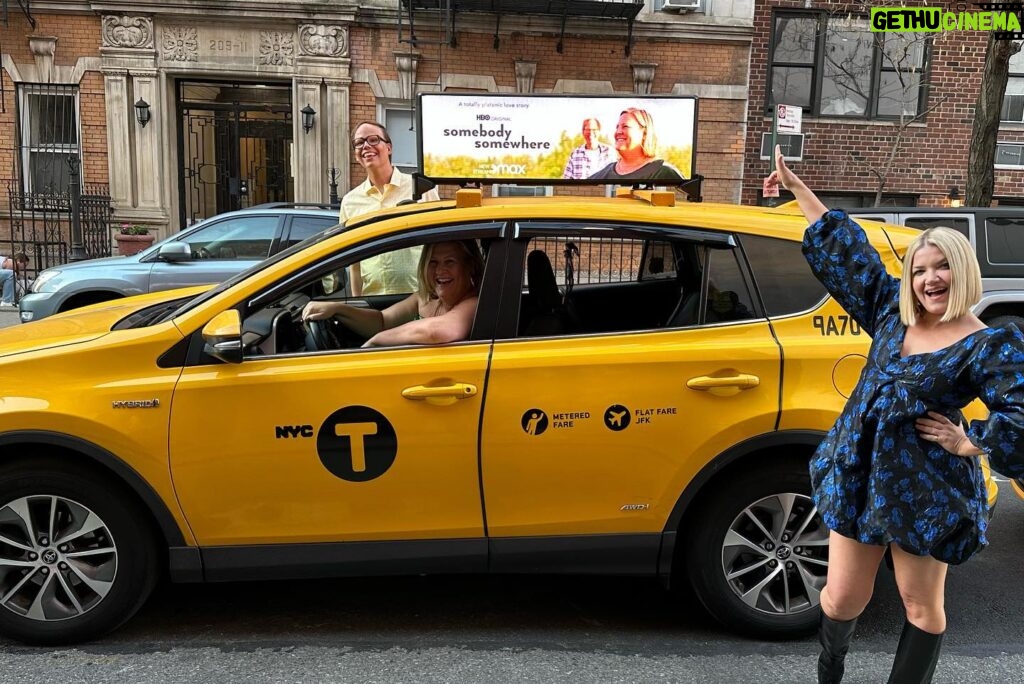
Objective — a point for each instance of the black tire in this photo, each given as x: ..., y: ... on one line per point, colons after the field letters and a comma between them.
x: 90, y: 584
x: 1007, y: 321
x: 726, y: 553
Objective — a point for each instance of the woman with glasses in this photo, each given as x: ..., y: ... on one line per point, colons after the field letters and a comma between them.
x: 385, y: 186
x: 638, y: 148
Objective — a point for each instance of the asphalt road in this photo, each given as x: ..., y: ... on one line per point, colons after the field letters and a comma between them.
x: 9, y: 317
x: 519, y: 629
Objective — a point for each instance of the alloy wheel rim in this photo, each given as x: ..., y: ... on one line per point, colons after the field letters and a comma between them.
x: 58, y: 559
x: 775, y: 555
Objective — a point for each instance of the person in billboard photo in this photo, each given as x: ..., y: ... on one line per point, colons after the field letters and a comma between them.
x: 899, y: 469
x: 385, y: 186
x: 637, y: 147
x: 591, y: 156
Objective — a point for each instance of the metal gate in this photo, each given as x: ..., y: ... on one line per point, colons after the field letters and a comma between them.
x: 41, y: 226
x: 234, y: 146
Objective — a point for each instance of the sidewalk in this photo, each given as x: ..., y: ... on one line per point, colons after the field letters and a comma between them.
x: 9, y: 317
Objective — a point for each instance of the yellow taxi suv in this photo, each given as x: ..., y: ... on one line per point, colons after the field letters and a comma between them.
x: 640, y: 392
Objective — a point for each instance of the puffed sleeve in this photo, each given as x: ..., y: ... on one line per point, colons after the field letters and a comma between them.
x: 849, y: 267
x: 997, y: 372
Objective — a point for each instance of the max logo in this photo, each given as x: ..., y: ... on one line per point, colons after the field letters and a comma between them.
x: 286, y: 431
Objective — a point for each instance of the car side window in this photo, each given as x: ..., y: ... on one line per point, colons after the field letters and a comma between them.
x: 728, y: 297
x: 783, y: 278
x: 274, y: 324
x: 579, y: 284
x: 240, y: 237
x: 303, y: 227
x: 961, y: 225
x: 1004, y: 240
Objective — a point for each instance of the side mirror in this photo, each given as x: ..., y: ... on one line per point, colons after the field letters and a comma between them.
x: 174, y: 252
x: 223, y: 337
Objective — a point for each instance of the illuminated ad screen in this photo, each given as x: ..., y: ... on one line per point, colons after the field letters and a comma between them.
x: 551, y: 139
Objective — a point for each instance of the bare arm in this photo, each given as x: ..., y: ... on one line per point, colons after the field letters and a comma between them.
x: 810, y: 205
x: 450, y: 327
x: 355, y: 278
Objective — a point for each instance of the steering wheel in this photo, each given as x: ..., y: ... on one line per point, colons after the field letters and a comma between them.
x: 205, y: 253
x: 321, y: 335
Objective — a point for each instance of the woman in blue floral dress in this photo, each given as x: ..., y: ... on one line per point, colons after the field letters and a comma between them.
x: 898, y: 470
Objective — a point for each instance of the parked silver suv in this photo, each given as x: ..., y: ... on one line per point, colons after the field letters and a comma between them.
x: 997, y: 234
x: 211, y: 251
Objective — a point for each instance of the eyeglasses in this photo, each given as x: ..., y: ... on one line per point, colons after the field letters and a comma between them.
x: 371, y: 140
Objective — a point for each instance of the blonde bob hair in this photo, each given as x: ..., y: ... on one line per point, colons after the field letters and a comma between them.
x: 643, y: 118
x: 471, y: 258
x: 965, y: 274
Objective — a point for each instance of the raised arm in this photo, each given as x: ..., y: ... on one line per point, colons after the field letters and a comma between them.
x: 841, y: 256
x: 809, y: 203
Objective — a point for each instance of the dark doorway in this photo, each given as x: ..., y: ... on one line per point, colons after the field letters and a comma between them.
x: 234, y: 147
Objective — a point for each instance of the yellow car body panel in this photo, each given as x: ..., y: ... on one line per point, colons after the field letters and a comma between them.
x: 579, y: 476
x: 240, y: 483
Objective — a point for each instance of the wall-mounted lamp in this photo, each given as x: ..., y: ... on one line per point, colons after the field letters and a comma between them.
x: 308, y: 117
x: 955, y: 200
x: 142, y: 113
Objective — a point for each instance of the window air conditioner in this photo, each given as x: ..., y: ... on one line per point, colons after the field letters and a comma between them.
x: 681, y: 5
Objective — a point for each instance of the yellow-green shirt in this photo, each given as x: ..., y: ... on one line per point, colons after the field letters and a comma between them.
x: 392, y: 272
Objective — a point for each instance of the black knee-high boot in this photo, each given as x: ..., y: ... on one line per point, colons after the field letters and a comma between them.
x: 834, y: 636
x: 916, y: 656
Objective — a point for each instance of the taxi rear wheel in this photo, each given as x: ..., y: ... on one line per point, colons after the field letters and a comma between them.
x: 757, y: 554
x: 76, y: 556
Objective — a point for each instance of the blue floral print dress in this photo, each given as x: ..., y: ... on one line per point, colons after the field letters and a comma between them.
x: 874, y: 479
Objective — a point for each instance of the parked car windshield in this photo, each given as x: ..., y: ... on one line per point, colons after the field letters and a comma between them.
x: 256, y: 268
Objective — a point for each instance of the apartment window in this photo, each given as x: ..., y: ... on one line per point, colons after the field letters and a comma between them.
x: 1013, y: 100
x: 401, y: 125
x: 48, y: 133
x: 1010, y: 154
x: 677, y: 5
x: 833, y: 65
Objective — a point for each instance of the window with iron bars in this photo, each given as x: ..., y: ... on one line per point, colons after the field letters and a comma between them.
x: 48, y: 133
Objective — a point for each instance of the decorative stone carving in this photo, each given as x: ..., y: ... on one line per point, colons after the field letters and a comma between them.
x: 43, y: 48
x: 127, y: 32
x: 323, y: 41
x: 406, y: 63
x: 526, y: 71
x: 643, y: 78
x: 180, y: 44
x: 276, y: 48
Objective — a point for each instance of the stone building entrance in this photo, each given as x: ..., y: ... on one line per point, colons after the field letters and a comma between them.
x: 234, y: 146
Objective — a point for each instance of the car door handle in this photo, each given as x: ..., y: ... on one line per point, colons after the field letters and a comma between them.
x: 739, y: 381
x: 445, y: 394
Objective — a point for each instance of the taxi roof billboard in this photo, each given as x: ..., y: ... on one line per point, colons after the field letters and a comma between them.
x: 556, y: 139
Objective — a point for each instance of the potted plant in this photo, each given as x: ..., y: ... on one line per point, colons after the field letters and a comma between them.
x: 133, y: 238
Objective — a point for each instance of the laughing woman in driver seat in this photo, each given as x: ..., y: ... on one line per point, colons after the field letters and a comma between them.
x: 440, y: 311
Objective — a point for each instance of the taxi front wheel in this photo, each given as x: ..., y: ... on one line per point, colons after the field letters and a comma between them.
x: 76, y: 556
x: 757, y: 553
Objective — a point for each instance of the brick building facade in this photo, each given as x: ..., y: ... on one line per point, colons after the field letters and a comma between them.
x: 849, y: 138
x: 224, y: 85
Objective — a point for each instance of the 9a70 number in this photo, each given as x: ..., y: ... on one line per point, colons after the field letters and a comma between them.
x: 835, y: 325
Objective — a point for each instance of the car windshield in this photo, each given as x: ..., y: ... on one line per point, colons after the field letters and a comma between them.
x: 256, y: 268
